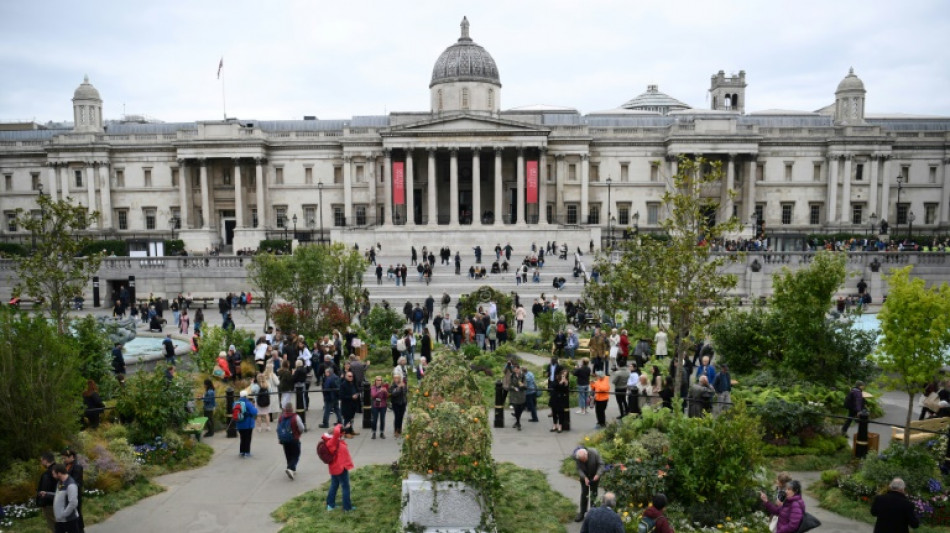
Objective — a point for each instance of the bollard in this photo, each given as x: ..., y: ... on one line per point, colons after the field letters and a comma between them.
x: 566, y: 418
x: 499, y: 405
x: 861, y: 439
x: 232, y: 424
x: 95, y: 291
x: 367, y: 407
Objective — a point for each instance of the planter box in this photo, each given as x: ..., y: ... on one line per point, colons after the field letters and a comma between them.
x: 449, y: 507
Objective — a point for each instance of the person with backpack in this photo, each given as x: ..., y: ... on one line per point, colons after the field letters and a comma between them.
x: 289, y: 429
x: 604, y: 519
x: 790, y: 512
x: 854, y: 403
x: 243, y: 414
x: 653, y: 519
x: 263, y: 401
x: 336, y: 455
x: 169, y: 348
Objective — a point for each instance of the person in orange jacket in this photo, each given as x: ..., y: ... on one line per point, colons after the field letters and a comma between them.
x: 601, y: 388
x: 339, y: 467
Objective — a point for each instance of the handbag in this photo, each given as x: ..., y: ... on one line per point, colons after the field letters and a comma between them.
x: 809, y: 522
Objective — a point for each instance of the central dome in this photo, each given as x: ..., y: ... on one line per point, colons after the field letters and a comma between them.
x: 465, y: 61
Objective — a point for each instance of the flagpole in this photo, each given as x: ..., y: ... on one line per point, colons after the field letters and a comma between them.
x: 224, y: 107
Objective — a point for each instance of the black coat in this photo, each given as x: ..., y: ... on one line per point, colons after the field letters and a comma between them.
x: 894, y: 512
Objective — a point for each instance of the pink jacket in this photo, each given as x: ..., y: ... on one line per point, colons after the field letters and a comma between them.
x: 790, y: 513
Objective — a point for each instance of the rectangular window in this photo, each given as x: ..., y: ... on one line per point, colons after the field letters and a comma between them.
x: 930, y: 213
x: 623, y: 215
x: 816, y: 172
x: 382, y: 175
x: 624, y: 172
x: 760, y: 172
x: 550, y: 173
x: 310, y: 215
x: 653, y: 213
x: 788, y: 170
x: 859, y: 172
x: 549, y: 211
x: 359, y: 174
x: 11, y: 222
x: 594, y: 173
x: 78, y: 176
x: 281, y: 213
x: 857, y: 214
x: 278, y: 175
x: 122, y: 216
x: 760, y: 212
x: 905, y: 173
x: 933, y: 174
x: 338, y: 174
x: 902, y: 213
x: 176, y: 216
x: 814, y: 214
x: 175, y: 177
x: 308, y: 175
x: 34, y: 181
x: 787, y: 213
x: 654, y: 172
x: 594, y: 215
x: 572, y: 172
x: 149, y: 213
x: 360, y: 215
x: 572, y: 213
x: 8, y: 182
x: 339, y: 216
x: 254, y: 220
x: 120, y: 178
x: 147, y: 179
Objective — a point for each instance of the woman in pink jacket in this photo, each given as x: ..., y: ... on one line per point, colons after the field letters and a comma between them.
x: 340, y: 468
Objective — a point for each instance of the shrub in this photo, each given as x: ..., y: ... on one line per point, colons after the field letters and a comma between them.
x: 381, y: 322
x: 11, y: 249
x: 154, y: 403
x: 112, y: 247
x: 505, y: 351
x: 915, y: 465
x: 471, y: 351
x: 215, y: 340
x: 830, y: 477
x: 549, y: 323
x: 288, y: 319
x: 93, y: 351
x: 332, y: 317
x: 782, y: 419
x: 174, y: 247
x: 481, y: 296
x: 279, y: 246
x: 18, y: 481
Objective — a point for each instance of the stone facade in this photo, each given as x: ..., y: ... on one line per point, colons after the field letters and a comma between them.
x: 466, y: 164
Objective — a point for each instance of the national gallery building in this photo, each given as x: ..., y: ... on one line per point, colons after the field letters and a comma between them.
x: 469, y: 172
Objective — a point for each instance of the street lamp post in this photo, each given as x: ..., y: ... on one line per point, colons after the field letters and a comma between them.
x: 910, y: 232
x: 39, y: 193
x: 173, y: 221
x: 873, y: 223
x: 295, y: 226
x: 636, y: 224
x: 320, y: 190
x: 610, y: 227
x: 900, y: 186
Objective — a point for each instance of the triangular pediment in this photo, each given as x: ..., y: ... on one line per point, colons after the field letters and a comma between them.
x: 471, y: 124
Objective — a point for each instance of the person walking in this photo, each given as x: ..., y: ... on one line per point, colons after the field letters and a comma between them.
x: 854, y: 403
x: 339, y: 468
x: 604, y: 519
x: 590, y: 467
x: 517, y: 394
x: 46, y: 490
x: 379, y: 393
x: 209, y: 403
x: 894, y: 512
x: 531, y: 395
x: 289, y: 428
x: 246, y: 415
x: 66, y: 502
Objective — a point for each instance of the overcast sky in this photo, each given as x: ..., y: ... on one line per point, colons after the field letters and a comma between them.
x: 286, y: 59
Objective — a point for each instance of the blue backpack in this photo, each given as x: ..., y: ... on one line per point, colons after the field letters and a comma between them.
x: 285, y: 432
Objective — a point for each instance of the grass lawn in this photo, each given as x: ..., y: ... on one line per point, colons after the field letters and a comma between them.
x: 526, y: 504
x: 837, y: 502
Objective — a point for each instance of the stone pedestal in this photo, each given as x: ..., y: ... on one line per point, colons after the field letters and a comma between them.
x: 198, y: 240
x: 875, y: 286
x: 247, y: 238
x: 449, y: 507
x: 756, y: 284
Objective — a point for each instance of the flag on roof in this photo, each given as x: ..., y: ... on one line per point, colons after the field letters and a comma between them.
x: 220, y: 66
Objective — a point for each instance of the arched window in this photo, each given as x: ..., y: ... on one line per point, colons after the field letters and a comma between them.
x: 464, y: 98
x: 735, y: 101
x: 728, y: 101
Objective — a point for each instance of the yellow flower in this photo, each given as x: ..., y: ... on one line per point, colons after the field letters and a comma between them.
x: 586, y: 439
x: 728, y: 519
x: 719, y: 526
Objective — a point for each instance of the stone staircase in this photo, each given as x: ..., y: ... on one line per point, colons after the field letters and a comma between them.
x: 444, y: 279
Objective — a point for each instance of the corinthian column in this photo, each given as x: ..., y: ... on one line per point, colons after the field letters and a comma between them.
x: 259, y: 183
x: 454, y: 187
x: 205, y: 195
x: 433, y: 191
x: 499, y: 187
x: 476, y: 187
x: 238, y: 194
x: 410, y: 188
x: 543, y: 186
x: 521, y: 219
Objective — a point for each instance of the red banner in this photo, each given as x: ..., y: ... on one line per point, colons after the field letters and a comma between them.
x: 399, y: 183
x: 532, y: 182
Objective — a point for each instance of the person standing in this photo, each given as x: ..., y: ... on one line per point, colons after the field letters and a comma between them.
x: 654, y: 514
x: 209, y: 403
x: 604, y: 519
x: 582, y: 373
x: 46, y: 490
x: 75, y: 471
x: 289, y: 429
x: 531, y: 395
x: 854, y: 403
x: 601, y: 388
x: 619, y: 380
x: 398, y: 396
x: 660, y: 340
x: 169, y: 347
x: 791, y: 512
x: 560, y: 401
x: 331, y: 396
x: 66, y: 502
x: 723, y: 386
x: 349, y: 399
x: 894, y: 512
x: 520, y: 315
x: 516, y: 393
x: 245, y: 425
x: 93, y: 403
x: 379, y: 393
x: 339, y: 468
x: 589, y: 469
x: 118, y: 360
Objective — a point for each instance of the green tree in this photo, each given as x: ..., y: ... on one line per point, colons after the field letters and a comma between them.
x: 95, y: 361
x: 270, y: 275
x: 382, y: 321
x: 40, y: 386
x: 915, y: 329
x: 345, y: 275
x: 55, y: 272
x: 154, y: 403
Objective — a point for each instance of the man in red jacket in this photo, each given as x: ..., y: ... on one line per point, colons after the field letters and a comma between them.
x: 339, y: 469
x: 654, y: 513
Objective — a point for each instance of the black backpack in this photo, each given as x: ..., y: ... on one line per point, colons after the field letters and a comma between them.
x: 263, y: 397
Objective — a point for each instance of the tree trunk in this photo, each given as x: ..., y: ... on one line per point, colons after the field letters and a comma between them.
x: 910, y: 416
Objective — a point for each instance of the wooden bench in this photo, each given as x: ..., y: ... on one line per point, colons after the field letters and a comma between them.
x: 195, y: 426
x: 583, y: 348
x: 937, y: 425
